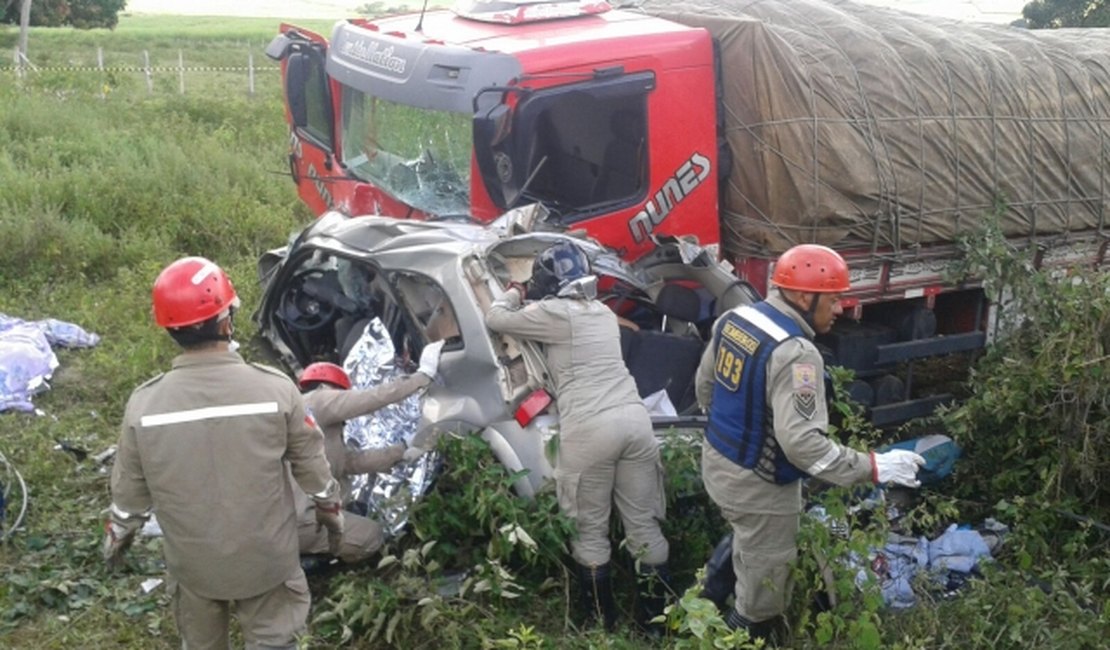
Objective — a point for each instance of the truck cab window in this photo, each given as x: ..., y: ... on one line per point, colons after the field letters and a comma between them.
x: 577, y: 148
x: 588, y: 151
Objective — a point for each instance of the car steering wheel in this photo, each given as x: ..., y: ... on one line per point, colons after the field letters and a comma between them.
x: 302, y: 311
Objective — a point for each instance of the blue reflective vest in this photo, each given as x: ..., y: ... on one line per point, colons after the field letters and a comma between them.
x: 740, y: 422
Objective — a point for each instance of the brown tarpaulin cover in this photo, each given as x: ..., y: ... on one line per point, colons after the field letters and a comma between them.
x: 856, y: 126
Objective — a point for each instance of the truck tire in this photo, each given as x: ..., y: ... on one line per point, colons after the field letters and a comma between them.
x: 888, y: 389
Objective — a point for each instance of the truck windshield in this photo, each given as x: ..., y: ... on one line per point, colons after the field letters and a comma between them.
x: 419, y: 156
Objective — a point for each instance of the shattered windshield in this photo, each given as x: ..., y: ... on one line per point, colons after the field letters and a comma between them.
x: 419, y: 156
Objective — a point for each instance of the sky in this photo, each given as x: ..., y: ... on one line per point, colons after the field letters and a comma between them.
x: 996, y: 11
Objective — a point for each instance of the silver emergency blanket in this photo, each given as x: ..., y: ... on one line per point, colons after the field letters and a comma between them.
x: 387, y: 496
x: 860, y: 126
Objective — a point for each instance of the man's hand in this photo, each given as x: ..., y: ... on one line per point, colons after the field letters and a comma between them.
x: 119, y: 533
x: 429, y: 359
x: 896, y: 466
x: 329, y: 514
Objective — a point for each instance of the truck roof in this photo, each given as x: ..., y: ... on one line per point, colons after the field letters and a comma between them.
x: 589, y: 33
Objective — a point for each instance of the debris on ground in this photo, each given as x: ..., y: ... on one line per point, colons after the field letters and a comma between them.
x: 27, y: 359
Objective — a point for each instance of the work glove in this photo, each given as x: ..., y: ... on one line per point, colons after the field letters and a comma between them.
x: 424, y: 441
x: 429, y: 359
x: 329, y: 514
x: 119, y: 533
x: 896, y: 466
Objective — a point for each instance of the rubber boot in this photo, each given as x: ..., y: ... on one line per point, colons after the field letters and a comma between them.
x: 596, y: 596
x: 654, y: 588
x: 720, y: 578
x: 770, y: 630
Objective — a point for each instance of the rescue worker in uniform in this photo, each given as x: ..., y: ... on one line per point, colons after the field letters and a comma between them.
x: 607, y: 450
x: 761, y: 380
x: 206, y: 447
x: 331, y: 402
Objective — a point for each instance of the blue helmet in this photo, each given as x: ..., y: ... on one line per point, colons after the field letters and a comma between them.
x: 556, y: 267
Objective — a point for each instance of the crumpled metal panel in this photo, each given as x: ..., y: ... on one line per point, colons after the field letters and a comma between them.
x: 386, y: 496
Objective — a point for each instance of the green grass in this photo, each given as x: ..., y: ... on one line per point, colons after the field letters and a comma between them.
x: 103, y: 183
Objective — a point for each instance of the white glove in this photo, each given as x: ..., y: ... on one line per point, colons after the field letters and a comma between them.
x: 429, y: 359
x: 896, y: 466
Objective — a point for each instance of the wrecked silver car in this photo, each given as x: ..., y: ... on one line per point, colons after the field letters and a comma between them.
x: 418, y: 282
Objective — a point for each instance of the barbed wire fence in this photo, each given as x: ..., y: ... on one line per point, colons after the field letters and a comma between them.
x: 249, y: 72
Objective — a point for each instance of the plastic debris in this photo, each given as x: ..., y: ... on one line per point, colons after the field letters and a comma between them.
x: 27, y: 359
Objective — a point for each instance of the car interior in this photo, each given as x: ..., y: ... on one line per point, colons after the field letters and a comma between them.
x: 329, y: 299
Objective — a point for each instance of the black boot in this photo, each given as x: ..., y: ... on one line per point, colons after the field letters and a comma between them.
x: 654, y: 589
x: 720, y: 579
x: 770, y: 631
x: 596, y: 596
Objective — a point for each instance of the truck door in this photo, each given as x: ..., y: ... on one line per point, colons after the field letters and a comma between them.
x: 309, y: 111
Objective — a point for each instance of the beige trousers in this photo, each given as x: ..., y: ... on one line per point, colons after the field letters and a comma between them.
x: 764, y: 547
x: 614, y: 460
x: 362, y: 537
x: 269, y: 620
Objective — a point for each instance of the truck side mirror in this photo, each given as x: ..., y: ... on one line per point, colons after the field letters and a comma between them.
x: 494, y: 126
x: 278, y: 47
x: 495, y: 162
x: 296, y: 71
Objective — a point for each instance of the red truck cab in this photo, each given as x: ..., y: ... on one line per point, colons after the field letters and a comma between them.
x: 443, y: 116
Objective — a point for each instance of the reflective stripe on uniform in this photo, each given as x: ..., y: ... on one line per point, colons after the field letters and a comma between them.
x: 762, y: 322
x: 823, y: 463
x: 208, y: 413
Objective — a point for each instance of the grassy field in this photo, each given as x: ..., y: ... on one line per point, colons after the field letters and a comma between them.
x: 103, y: 183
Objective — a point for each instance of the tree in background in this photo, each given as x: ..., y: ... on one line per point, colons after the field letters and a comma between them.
x: 1051, y: 14
x: 82, y: 14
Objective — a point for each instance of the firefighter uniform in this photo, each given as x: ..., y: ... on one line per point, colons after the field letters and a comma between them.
x: 761, y: 382
x: 331, y: 408
x: 607, y: 450
x: 211, y: 447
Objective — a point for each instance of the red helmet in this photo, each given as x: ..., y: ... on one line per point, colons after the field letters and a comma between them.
x: 809, y: 267
x: 190, y: 291
x: 325, y: 372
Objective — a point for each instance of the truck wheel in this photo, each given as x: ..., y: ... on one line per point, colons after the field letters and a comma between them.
x: 888, y: 389
x: 860, y: 392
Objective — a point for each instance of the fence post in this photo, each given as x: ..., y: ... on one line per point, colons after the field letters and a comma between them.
x: 250, y: 73
x: 146, y: 69
x: 181, y: 72
x: 100, y: 68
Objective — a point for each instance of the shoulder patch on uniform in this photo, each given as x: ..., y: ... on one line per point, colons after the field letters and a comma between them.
x: 270, y: 369
x: 804, y: 377
x: 151, y: 381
